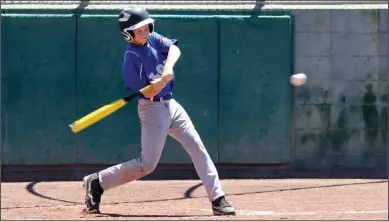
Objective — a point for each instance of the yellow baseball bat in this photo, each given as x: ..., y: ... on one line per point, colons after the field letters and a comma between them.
x: 104, y: 111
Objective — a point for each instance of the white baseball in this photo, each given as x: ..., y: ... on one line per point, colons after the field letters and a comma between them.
x: 298, y: 79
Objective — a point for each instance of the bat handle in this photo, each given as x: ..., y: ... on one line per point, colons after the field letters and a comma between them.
x: 145, y: 89
x: 139, y: 93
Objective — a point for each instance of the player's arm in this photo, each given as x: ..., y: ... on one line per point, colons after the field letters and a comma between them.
x: 170, y: 47
x: 131, y: 73
x: 173, y: 55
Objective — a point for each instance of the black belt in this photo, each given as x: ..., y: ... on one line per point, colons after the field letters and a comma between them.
x: 158, y: 99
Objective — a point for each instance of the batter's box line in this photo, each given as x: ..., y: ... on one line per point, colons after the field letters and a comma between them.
x: 267, y: 213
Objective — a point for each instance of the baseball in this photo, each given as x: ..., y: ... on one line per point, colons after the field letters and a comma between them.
x: 298, y: 79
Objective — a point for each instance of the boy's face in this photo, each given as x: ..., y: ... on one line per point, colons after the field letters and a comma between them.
x: 141, y: 34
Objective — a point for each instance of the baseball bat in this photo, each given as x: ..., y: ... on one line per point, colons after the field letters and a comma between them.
x: 104, y: 111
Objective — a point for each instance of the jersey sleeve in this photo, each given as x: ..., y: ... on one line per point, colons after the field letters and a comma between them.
x: 164, y: 43
x: 132, y: 72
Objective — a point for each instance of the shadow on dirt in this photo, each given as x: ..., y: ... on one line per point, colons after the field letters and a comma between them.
x: 148, y: 215
x: 187, y: 194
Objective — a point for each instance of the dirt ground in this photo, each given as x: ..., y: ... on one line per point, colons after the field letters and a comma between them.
x: 265, y: 199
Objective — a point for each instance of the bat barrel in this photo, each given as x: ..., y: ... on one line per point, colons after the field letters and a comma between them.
x: 104, y: 111
x: 97, y: 115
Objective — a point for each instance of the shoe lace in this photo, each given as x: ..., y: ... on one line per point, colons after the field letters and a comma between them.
x: 224, y: 203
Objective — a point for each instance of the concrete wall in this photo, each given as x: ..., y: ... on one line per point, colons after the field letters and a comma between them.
x: 341, y: 115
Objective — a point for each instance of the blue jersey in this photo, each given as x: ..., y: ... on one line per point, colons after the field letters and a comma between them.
x: 142, y: 64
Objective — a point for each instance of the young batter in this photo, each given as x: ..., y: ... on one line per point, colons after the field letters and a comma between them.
x: 149, y: 60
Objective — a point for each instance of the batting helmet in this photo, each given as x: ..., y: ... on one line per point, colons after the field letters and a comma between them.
x: 133, y: 18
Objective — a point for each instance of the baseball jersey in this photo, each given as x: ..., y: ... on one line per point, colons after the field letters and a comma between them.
x: 142, y: 64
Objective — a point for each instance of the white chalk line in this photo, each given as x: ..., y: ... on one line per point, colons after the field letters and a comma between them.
x: 263, y: 213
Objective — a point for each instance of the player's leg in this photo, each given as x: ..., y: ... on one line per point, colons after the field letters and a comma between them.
x: 155, y: 122
x: 183, y: 130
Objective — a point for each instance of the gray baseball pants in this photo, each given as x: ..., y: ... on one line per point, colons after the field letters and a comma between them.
x: 159, y: 119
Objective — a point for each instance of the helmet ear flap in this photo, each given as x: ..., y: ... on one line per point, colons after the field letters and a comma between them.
x: 132, y: 35
x: 151, y: 27
x: 128, y: 35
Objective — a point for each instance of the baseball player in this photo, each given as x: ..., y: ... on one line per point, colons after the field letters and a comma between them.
x: 149, y: 60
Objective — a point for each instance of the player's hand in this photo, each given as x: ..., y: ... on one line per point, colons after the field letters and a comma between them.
x: 157, y: 86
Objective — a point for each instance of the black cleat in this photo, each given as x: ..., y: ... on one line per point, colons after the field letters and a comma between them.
x: 93, y: 193
x: 220, y: 207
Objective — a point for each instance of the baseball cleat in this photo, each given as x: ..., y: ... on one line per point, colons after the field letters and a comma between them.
x: 93, y: 193
x: 220, y: 207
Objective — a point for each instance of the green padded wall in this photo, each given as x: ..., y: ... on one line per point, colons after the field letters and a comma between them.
x: 38, y: 89
x: 255, y: 95
x: 99, y: 81
x: 2, y: 26
x: 73, y: 66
